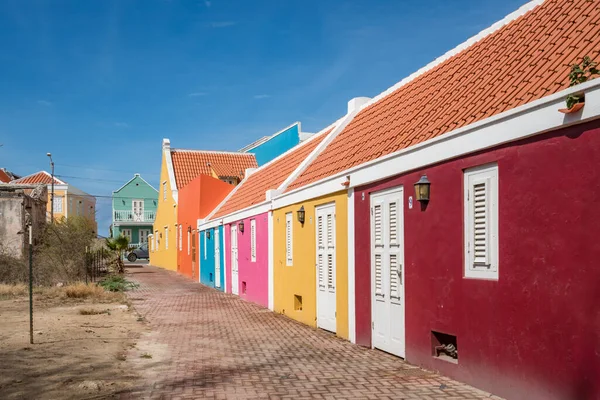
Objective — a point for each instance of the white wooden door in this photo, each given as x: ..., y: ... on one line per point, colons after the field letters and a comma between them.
x: 217, y: 259
x: 387, y: 272
x: 234, y: 260
x: 138, y: 210
x: 144, y: 235
x: 326, y: 307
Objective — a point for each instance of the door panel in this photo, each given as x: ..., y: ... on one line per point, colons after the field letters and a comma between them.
x: 387, y: 273
x: 234, y: 260
x: 326, y: 267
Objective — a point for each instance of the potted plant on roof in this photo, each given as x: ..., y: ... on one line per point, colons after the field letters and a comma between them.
x: 579, y: 73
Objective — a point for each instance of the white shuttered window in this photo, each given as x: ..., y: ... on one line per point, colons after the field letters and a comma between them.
x: 481, y: 222
x: 288, y: 240
x: 253, y: 240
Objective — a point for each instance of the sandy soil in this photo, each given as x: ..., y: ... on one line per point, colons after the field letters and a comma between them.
x: 74, y: 356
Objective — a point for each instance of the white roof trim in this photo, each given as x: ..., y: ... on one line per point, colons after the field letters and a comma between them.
x: 255, y: 145
x: 170, y: 171
x: 451, y: 53
x: 298, y: 146
x: 131, y: 180
x: 234, y: 153
x: 531, y: 119
x: 60, y: 182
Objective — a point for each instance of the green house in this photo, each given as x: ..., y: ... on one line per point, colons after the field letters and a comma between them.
x: 134, y: 210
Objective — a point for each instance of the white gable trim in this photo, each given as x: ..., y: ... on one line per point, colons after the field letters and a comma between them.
x: 339, y: 126
x: 131, y: 180
x: 530, y: 119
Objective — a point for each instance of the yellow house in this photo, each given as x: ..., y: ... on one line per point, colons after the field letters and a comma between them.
x: 68, y: 200
x: 310, y: 262
x: 178, y: 168
x: 310, y: 245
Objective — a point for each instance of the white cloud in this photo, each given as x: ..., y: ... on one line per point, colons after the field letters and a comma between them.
x: 221, y: 24
x: 207, y: 3
x: 44, y: 103
x: 197, y: 94
x: 121, y: 124
x: 261, y: 96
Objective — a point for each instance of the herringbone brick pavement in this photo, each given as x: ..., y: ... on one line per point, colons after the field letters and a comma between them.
x: 207, y: 344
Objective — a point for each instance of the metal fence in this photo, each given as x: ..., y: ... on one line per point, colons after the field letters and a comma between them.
x: 96, y: 264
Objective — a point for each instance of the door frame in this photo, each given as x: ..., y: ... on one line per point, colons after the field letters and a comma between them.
x: 235, y: 290
x: 372, y: 196
x: 317, y: 207
x: 217, y: 260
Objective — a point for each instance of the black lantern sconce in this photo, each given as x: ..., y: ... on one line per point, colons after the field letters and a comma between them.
x: 422, y: 189
x: 189, y: 229
x: 241, y: 226
x: 207, y: 234
x: 301, y: 215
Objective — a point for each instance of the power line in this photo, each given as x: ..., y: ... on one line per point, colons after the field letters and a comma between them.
x: 89, y: 179
x: 105, y: 169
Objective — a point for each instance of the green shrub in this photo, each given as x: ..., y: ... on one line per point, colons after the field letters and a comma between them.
x: 117, y: 283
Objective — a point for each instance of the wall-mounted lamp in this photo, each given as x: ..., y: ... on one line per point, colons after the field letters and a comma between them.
x: 301, y: 215
x: 422, y: 189
x: 241, y: 226
x: 208, y: 234
x: 189, y: 229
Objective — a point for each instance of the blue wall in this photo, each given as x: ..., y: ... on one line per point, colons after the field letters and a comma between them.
x: 207, y: 260
x: 277, y: 145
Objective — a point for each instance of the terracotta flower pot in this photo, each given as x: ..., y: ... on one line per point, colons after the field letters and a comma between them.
x: 576, y: 107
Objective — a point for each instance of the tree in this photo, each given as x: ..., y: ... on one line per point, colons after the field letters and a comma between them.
x: 118, y: 245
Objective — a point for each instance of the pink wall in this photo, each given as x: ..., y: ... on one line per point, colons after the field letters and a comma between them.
x: 534, y: 333
x: 255, y: 275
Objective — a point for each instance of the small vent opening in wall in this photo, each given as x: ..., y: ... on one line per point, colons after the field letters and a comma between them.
x: 210, y: 276
x: 297, y: 302
x: 243, y: 287
x: 444, y: 347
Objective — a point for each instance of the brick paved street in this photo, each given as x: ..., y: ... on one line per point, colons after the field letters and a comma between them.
x: 206, y: 344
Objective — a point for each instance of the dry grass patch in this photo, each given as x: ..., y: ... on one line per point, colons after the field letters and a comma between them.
x: 74, y: 292
x: 10, y: 291
x: 92, y: 311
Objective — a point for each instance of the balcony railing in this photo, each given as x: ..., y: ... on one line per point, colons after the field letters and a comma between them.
x: 130, y: 216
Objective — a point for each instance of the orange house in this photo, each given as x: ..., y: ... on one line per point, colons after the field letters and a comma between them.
x: 196, y: 200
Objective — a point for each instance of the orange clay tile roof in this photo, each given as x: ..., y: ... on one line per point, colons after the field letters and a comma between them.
x: 525, y: 60
x: 4, y: 178
x: 188, y: 164
x: 39, y: 177
x: 271, y: 176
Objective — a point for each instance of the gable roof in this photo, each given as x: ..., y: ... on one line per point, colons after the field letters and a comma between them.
x: 42, y: 177
x: 522, y: 58
x: 131, y: 180
x: 188, y: 164
x: 253, y: 189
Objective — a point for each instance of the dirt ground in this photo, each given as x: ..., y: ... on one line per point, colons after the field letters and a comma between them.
x: 74, y: 356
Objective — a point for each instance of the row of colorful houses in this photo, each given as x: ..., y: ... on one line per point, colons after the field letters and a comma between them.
x: 448, y: 221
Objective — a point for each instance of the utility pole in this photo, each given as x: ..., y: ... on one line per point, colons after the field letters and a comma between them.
x: 52, y: 193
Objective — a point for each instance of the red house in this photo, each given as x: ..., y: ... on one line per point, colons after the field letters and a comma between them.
x: 488, y: 269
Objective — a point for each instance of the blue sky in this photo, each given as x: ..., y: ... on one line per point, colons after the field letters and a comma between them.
x: 100, y: 83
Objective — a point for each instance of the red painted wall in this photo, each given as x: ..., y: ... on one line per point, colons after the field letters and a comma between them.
x: 534, y: 333
x: 196, y: 200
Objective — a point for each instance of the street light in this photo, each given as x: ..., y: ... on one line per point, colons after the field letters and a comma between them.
x: 52, y: 193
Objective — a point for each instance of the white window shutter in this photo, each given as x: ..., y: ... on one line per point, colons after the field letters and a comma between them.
x: 395, y: 274
x: 393, y: 222
x: 481, y: 222
x: 288, y: 239
x: 253, y: 240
